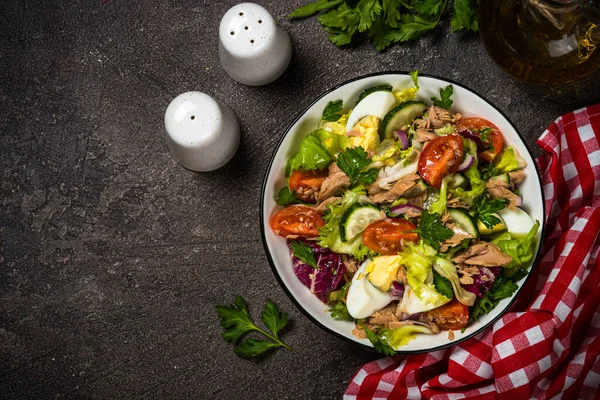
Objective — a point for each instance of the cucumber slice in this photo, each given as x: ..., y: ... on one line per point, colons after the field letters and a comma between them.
x: 356, y: 219
x: 458, y: 180
x: 373, y: 89
x: 502, y: 178
x: 484, y: 230
x: 464, y: 220
x: 400, y: 116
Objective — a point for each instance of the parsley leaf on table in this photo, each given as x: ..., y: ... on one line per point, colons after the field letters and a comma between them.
x: 286, y: 197
x: 353, y: 161
x: 380, y: 345
x: 486, y: 207
x: 237, y: 322
x: 304, y: 253
x: 333, y: 111
x: 313, y: 8
x: 465, y: 15
x: 442, y: 285
x: 445, y: 101
x: 433, y: 230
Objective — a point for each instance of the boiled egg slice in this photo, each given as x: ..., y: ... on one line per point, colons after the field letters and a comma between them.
x: 517, y: 221
x: 363, y: 298
x: 376, y: 104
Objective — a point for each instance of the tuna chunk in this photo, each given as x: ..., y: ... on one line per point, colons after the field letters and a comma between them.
x: 483, y: 254
x: 406, y: 186
x: 384, y: 316
x: 417, y: 200
x: 454, y: 240
x: 438, y: 117
x: 335, y: 183
x: 517, y: 176
x: 327, y: 202
x: 351, y: 265
x: 423, y: 135
x: 499, y: 190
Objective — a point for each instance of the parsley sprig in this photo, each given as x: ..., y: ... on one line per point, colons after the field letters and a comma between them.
x: 286, y: 197
x: 485, y: 208
x: 443, y: 285
x: 304, y: 253
x: 353, y: 162
x: 444, y: 101
x: 237, y: 322
x: 380, y: 344
x: 387, y: 21
x: 433, y: 230
x: 333, y: 111
x: 503, y: 287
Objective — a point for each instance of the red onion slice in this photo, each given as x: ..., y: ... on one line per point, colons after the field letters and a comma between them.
x: 410, y: 209
x: 403, y: 137
x: 466, y: 164
x: 470, y: 135
x: 518, y: 201
x: 397, y: 290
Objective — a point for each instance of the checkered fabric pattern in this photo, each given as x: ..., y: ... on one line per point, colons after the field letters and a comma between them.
x: 549, y: 345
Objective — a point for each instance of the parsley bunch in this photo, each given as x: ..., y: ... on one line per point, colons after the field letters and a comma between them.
x: 387, y: 21
x: 237, y: 322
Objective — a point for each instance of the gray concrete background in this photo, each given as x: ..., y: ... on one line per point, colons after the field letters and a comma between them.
x: 112, y: 257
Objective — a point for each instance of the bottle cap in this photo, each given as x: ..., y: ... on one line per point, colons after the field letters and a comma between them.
x: 253, y: 48
x: 203, y: 134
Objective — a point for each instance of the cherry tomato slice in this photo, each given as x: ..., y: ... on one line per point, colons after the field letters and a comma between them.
x: 307, y: 183
x: 385, y: 235
x: 453, y: 315
x: 495, y: 140
x: 298, y: 221
x: 440, y: 157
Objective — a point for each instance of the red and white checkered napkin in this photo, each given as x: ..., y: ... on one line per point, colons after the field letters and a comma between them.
x: 550, y: 344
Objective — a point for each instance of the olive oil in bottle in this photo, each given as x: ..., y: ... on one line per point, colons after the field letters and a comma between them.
x: 545, y: 42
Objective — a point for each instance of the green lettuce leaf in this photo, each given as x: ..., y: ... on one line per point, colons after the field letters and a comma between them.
x: 418, y: 260
x: 508, y: 162
x: 448, y: 270
x: 332, y: 142
x: 439, y: 206
x: 476, y: 183
x: 313, y: 154
x: 520, y: 249
x: 401, y: 336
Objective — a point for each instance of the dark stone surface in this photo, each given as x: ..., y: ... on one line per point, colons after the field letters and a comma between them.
x: 112, y: 257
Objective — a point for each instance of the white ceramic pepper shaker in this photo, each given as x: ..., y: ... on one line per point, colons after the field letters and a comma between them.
x: 203, y: 134
x: 253, y: 48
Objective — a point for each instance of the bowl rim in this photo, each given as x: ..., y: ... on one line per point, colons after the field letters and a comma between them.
x: 297, y: 303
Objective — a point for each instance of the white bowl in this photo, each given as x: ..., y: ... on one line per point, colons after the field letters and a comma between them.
x: 468, y: 104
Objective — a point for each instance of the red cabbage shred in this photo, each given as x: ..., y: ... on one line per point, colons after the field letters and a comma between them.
x: 327, y: 279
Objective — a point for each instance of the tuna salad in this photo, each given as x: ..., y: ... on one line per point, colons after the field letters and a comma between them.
x: 405, y: 217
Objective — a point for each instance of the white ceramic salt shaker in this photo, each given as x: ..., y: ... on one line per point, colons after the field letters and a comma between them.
x: 203, y: 134
x: 253, y: 48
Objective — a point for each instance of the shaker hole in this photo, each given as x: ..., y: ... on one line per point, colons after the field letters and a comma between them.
x: 260, y: 21
x: 193, y: 117
x: 252, y: 41
x: 241, y: 14
x: 246, y: 28
x: 232, y: 33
